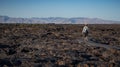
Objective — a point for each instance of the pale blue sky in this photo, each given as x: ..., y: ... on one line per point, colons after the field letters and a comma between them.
x: 104, y: 9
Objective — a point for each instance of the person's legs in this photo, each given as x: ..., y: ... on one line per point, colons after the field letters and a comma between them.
x: 85, y: 38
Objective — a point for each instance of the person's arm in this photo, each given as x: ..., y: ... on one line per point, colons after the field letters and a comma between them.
x: 88, y: 29
x: 83, y: 30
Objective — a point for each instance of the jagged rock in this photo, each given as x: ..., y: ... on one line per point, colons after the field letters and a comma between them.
x: 33, y: 45
x: 11, y: 51
x: 5, y: 62
x: 26, y: 49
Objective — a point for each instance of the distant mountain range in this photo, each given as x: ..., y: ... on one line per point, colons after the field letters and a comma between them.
x: 56, y: 20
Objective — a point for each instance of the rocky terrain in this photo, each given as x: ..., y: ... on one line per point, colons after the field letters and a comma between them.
x: 57, y: 45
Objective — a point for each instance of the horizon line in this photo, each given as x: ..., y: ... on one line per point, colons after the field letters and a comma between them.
x: 61, y: 17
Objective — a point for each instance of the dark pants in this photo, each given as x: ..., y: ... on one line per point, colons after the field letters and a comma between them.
x: 85, y: 34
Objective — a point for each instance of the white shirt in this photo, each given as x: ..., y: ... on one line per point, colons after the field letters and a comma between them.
x: 84, y: 29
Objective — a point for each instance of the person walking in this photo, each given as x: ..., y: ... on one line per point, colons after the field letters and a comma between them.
x: 85, y: 32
